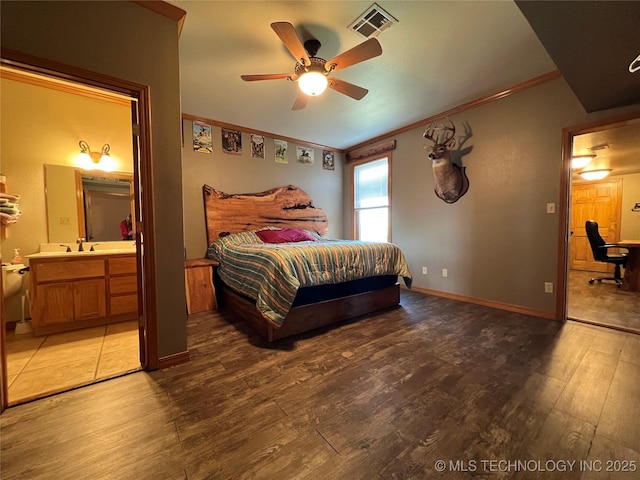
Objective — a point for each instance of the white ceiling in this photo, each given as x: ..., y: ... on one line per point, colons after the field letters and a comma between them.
x: 440, y: 55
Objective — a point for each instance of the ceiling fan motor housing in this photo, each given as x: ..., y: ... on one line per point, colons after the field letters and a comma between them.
x: 312, y: 46
x: 317, y: 64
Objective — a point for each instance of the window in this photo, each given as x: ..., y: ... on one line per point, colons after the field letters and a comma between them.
x: 371, y: 200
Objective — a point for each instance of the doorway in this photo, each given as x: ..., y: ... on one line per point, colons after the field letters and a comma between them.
x: 614, y: 147
x: 144, y: 327
x: 600, y: 201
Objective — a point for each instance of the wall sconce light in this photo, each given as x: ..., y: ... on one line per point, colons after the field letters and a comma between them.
x: 581, y: 161
x: 595, y: 174
x: 94, y: 160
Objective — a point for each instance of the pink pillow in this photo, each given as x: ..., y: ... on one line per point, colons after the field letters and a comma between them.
x: 284, y: 236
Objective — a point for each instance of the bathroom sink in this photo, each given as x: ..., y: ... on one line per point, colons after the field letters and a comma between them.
x: 109, y: 251
x: 51, y: 254
x: 99, y: 248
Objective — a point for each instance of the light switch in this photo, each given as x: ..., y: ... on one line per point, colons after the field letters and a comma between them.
x: 551, y: 208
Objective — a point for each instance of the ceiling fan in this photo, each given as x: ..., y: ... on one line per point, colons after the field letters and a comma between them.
x: 313, y: 73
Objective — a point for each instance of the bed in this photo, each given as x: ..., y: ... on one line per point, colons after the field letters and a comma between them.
x: 280, y: 274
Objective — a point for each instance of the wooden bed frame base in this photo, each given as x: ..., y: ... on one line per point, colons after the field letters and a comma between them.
x: 282, y: 207
x: 309, y: 317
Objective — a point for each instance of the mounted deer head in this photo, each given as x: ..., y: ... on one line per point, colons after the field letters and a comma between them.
x: 451, y: 181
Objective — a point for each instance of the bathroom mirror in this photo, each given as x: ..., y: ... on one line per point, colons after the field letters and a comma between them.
x: 94, y: 205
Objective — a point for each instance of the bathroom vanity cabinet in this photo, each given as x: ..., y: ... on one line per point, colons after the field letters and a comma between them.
x: 82, y: 290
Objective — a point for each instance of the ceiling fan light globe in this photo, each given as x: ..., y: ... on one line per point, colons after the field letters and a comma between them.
x: 312, y: 83
x: 581, y: 161
x: 595, y: 174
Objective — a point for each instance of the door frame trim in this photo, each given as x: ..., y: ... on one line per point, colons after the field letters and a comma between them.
x: 565, y: 199
x: 143, y: 167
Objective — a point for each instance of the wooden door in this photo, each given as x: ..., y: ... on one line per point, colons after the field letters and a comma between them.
x: 599, y: 201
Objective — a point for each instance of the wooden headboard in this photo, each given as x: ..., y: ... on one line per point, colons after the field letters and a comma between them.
x: 285, y: 207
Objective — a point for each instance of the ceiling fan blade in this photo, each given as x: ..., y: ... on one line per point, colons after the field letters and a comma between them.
x: 269, y: 76
x: 366, y: 50
x: 348, y: 89
x: 301, y: 101
x: 290, y: 38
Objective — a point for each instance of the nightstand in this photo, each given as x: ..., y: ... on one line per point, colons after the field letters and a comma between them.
x: 201, y: 292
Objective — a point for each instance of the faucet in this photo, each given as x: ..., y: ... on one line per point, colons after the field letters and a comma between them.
x: 79, y: 242
x: 68, y: 247
x: 92, y: 249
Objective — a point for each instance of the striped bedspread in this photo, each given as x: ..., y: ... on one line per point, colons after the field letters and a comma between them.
x: 272, y: 273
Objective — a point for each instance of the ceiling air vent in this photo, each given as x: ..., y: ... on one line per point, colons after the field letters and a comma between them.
x: 372, y: 22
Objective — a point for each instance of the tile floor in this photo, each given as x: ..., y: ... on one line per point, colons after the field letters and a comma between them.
x: 602, y: 303
x: 38, y: 366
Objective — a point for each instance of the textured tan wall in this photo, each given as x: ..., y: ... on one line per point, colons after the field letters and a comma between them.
x: 243, y: 174
x: 497, y: 242
x: 630, y: 221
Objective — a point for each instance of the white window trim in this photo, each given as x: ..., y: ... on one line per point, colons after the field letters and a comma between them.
x: 353, y: 165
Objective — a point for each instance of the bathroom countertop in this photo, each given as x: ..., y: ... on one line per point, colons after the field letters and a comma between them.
x: 113, y: 251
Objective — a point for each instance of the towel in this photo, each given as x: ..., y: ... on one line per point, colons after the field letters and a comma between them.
x: 10, y: 197
x: 7, y: 219
x: 10, y: 208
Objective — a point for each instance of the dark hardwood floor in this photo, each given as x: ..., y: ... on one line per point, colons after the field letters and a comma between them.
x: 385, y: 397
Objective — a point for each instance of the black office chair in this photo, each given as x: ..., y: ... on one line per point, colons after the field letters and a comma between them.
x: 600, y: 250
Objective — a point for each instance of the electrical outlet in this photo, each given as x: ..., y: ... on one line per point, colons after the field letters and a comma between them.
x: 551, y: 208
x: 65, y: 221
x: 548, y: 287
x: 444, y: 272
x: 424, y: 270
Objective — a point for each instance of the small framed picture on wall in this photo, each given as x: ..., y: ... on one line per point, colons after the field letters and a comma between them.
x: 281, y: 151
x: 202, y: 140
x: 257, y: 146
x: 328, y: 160
x: 304, y: 155
x: 231, y: 141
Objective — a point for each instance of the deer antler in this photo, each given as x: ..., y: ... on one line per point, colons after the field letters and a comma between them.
x: 431, y: 133
x: 467, y: 135
x: 451, y: 129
